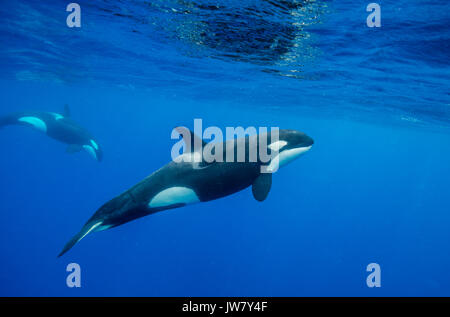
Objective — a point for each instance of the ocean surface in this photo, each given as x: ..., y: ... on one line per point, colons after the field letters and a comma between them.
x: 374, y: 188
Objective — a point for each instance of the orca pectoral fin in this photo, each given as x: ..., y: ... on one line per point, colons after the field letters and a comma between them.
x: 74, y: 148
x: 261, y: 186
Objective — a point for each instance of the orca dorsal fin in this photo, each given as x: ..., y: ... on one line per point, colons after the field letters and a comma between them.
x: 66, y: 111
x: 261, y: 186
x: 194, y: 141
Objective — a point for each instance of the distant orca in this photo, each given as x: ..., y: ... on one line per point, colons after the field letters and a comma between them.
x: 59, y: 127
x: 180, y: 183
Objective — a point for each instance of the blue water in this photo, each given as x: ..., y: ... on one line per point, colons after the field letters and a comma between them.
x: 374, y: 187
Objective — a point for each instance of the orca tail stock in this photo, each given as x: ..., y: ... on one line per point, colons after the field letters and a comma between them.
x: 87, y: 228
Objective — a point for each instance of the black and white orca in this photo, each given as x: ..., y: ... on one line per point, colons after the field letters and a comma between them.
x: 183, y: 182
x: 59, y: 127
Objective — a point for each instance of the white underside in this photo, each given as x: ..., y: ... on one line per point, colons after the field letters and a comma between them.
x: 90, y: 150
x: 94, y: 144
x: 95, y: 227
x: 285, y: 157
x: 35, y: 122
x: 90, y: 230
x: 174, y: 195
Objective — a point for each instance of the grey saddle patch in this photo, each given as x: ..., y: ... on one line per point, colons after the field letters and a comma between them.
x: 261, y: 186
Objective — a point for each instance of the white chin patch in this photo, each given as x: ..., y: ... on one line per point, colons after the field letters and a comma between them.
x: 174, y: 195
x: 285, y: 157
x: 35, y: 122
x: 90, y: 150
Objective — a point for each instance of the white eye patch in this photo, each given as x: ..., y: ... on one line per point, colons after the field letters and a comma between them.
x: 277, y: 146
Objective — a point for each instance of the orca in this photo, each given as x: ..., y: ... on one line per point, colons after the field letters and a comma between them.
x: 183, y: 182
x: 59, y: 127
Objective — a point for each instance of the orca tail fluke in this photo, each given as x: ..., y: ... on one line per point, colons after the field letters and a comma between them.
x: 87, y: 228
